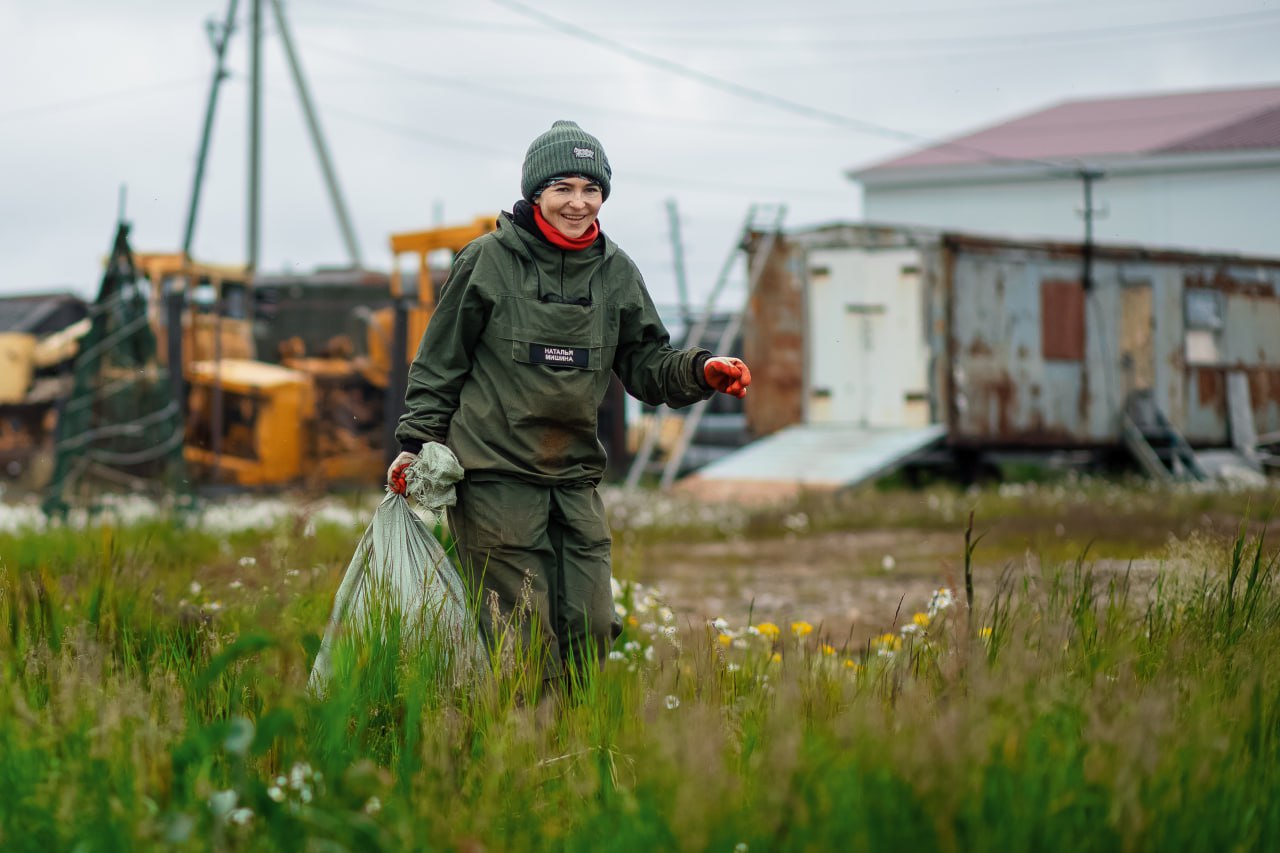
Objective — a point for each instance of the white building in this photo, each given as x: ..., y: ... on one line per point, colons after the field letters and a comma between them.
x: 1198, y: 170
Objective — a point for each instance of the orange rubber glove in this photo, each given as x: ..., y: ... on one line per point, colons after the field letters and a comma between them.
x: 727, y: 375
x: 395, y: 474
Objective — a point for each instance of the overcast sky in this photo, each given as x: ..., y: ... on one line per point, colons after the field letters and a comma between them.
x: 428, y: 108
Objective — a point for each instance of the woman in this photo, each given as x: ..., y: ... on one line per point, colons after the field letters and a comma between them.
x: 509, y: 375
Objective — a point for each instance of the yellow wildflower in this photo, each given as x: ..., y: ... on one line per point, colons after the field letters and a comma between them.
x: 801, y: 629
x: 769, y: 630
x: 892, y: 642
x: 725, y: 639
x: 985, y: 632
x: 775, y: 658
x: 632, y: 621
x: 921, y: 619
x: 827, y: 649
x: 853, y: 665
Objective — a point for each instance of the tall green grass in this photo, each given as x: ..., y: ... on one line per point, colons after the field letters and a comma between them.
x: 1063, y: 710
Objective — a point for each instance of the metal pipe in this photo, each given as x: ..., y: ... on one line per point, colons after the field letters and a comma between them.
x: 677, y: 252
x: 220, y: 39
x: 173, y: 346
x: 255, y: 131
x: 317, y: 136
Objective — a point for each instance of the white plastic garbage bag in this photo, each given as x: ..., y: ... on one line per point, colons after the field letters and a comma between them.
x: 399, y: 566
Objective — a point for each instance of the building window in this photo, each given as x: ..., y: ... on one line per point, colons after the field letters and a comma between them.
x: 1203, y: 313
x: 1062, y: 320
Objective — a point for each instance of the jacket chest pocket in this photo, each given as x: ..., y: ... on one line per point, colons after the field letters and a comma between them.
x: 553, y: 334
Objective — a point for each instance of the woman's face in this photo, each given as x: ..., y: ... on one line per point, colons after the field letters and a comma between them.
x: 571, y: 205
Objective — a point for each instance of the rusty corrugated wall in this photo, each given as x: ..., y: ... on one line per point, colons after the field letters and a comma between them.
x: 774, y: 341
x: 1168, y: 322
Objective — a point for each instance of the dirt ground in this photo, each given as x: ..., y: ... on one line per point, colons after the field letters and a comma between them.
x: 852, y: 584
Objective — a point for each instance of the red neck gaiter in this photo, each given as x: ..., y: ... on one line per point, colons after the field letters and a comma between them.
x: 572, y: 244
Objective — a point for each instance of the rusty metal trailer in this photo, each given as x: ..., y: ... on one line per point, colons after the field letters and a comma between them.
x: 1006, y: 345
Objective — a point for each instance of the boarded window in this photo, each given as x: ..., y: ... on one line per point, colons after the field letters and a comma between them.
x: 1062, y: 320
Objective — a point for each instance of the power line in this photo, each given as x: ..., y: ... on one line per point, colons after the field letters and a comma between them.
x: 753, y: 94
x: 1026, y: 39
x: 100, y: 98
x: 467, y: 146
x: 526, y: 99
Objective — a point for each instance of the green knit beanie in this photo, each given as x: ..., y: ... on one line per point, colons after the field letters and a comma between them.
x: 565, y: 149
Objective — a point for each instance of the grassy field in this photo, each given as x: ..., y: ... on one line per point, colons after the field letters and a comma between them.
x: 153, y: 689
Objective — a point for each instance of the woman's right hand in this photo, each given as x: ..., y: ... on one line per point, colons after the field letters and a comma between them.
x: 395, y: 474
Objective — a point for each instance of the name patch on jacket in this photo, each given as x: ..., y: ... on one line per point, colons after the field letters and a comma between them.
x: 558, y: 356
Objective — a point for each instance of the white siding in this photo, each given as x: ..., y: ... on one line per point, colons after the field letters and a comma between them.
x: 1221, y: 210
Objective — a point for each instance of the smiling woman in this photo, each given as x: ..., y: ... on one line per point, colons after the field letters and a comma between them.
x: 533, y: 322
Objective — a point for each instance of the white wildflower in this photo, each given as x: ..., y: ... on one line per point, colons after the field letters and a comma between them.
x: 195, y: 588
x: 248, y: 562
x: 240, y: 737
x: 673, y: 702
x: 222, y: 802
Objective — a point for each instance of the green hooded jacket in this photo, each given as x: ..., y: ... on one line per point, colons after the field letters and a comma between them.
x: 517, y: 357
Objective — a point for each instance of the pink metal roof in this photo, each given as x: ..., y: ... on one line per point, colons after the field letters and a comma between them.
x: 1197, y: 121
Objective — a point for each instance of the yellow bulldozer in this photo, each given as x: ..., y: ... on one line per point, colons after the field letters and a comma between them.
x: 261, y: 406
x: 315, y: 417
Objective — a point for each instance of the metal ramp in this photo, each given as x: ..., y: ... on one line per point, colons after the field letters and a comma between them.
x: 1158, y: 447
x: 821, y: 457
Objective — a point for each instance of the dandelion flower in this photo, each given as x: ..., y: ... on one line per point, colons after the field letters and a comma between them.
x: 985, y: 632
x: 632, y: 621
x: 775, y: 658
x: 725, y: 639
x: 890, y: 642
x: 769, y: 630
x: 827, y: 649
x: 921, y: 619
x: 801, y: 629
x: 853, y: 665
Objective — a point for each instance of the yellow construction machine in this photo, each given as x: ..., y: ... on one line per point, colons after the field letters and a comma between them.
x: 317, y: 418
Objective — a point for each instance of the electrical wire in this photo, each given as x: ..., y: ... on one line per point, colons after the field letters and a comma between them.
x: 100, y: 98
x: 757, y: 95
x: 1026, y: 40
x: 510, y: 96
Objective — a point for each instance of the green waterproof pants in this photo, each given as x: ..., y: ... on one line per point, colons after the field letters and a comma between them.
x: 544, y: 553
